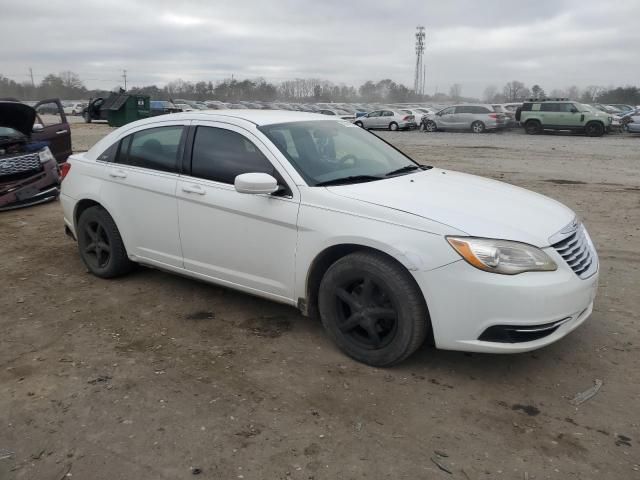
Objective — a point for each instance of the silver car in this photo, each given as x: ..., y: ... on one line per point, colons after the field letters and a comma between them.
x: 388, y: 119
x: 477, y: 118
x: 339, y: 113
x: 634, y: 124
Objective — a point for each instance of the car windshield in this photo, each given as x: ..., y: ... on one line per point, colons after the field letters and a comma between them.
x: 9, y: 132
x: 326, y: 152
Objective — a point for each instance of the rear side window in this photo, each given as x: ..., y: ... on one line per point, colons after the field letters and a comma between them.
x: 556, y: 107
x: 221, y: 155
x: 155, y: 148
x: 387, y: 113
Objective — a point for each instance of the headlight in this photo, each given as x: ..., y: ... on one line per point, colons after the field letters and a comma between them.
x: 502, y: 256
x: 45, y: 155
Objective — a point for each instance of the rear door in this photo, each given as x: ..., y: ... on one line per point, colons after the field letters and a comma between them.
x: 464, y: 117
x: 55, y: 128
x: 140, y: 186
x: 386, y: 119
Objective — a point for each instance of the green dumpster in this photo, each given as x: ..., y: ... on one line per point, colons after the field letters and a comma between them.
x: 126, y: 108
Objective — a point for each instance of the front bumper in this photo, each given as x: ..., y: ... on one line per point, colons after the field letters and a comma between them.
x: 465, y: 302
x: 38, y: 188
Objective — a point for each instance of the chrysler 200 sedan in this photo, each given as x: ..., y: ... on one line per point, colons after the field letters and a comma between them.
x: 318, y: 213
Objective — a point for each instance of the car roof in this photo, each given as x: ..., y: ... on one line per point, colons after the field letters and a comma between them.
x: 257, y: 117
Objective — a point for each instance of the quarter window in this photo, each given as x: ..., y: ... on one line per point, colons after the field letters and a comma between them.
x: 221, y: 155
x: 155, y: 148
x: 109, y: 154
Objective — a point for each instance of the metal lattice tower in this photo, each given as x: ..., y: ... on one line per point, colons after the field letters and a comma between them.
x: 419, y: 78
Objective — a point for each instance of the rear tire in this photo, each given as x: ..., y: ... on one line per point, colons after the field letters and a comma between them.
x: 87, y: 117
x: 101, y: 247
x: 478, y: 127
x: 533, y: 127
x: 393, y: 126
x: 594, y: 129
x: 372, y: 309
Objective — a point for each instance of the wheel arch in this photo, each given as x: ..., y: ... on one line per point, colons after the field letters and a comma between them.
x: 331, y: 254
x: 81, y: 206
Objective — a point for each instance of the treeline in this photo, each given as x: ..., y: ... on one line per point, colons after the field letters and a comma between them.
x: 297, y: 90
x: 68, y: 86
x: 516, y: 91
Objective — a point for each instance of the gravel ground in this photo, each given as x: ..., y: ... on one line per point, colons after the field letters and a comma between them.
x: 154, y: 376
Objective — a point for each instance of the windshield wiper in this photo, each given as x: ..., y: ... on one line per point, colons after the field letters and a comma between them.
x: 347, y: 180
x: 406, y: 168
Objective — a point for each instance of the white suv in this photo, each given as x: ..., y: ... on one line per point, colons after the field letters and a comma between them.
x: 318, y: 213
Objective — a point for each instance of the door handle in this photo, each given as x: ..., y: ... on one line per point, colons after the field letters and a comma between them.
x: 197, y: 189
x: 117, y: 174
x: 60, y: 132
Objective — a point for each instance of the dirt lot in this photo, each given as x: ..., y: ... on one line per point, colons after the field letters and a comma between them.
x: 153, y: 375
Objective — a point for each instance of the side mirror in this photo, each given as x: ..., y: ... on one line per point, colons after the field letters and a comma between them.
x: 574, y: 110
x: 256, y: 183
x: 38, y: 127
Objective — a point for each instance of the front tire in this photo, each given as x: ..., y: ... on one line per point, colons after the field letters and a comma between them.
x: 359, y: 124
x: 101, y: 247
x: 372, y: 309
x: 594, y: 129
x: 430, y: 126
x: 478, y: 127
x: 393, y: 126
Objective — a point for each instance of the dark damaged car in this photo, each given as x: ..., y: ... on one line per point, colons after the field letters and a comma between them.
x: 33, y: 141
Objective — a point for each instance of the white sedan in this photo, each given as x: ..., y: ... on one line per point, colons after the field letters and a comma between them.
x: 317, y: 213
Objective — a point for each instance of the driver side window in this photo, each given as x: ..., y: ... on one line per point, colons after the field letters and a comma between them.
x: 221, y: 155
x: 448, y: 111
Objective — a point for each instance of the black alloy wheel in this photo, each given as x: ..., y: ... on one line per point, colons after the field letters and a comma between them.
x: 365, y: 314
x: 97, y: 245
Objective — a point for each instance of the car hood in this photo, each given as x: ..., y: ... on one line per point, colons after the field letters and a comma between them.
x: 477, y: 206
x: 18, y: 116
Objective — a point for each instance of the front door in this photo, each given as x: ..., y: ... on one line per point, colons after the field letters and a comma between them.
x: 447, y: 118
x: 372, y: 120
x: 54, y: 128
x: 238, y: 239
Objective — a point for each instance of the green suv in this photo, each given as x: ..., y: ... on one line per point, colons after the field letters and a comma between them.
x: 562, y: 114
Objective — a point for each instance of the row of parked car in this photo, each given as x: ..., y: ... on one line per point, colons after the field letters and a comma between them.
x: 534, y: 115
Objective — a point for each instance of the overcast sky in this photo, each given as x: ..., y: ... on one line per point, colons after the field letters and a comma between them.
x: 555, y: 43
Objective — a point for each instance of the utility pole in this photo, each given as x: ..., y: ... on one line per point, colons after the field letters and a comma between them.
x: 418, y: 81
x: 124, y: 75
x: 33, y: 84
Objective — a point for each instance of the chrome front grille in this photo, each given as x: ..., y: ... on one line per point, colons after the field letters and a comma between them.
x: 577, y: 251
x: 21, y: 164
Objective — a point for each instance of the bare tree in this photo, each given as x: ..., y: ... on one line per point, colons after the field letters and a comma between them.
x: 515, y: 91
x: 573, y: 92
x: 591, y: 93
x: 490, y: 94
